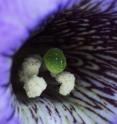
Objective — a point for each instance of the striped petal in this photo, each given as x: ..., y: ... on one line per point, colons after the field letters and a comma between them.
x: 87, y: 34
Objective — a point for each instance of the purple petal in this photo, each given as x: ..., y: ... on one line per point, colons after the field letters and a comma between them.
x: 17, y: 18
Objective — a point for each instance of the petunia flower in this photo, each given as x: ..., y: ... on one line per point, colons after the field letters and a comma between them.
x: 86, y: 33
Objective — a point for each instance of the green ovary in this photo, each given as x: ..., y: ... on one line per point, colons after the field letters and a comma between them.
x: 55, y: 61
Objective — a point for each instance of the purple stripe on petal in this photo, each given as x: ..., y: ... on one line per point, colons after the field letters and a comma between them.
x: 105, y: 4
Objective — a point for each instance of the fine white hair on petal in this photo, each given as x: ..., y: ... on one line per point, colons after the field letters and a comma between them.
x: 67, y: 81
x: 30, y: 67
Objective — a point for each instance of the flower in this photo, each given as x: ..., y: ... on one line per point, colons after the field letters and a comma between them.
x: 92, y: 57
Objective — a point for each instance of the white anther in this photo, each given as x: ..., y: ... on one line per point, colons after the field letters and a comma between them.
x: 67, y: 81
x: 35, y: 86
